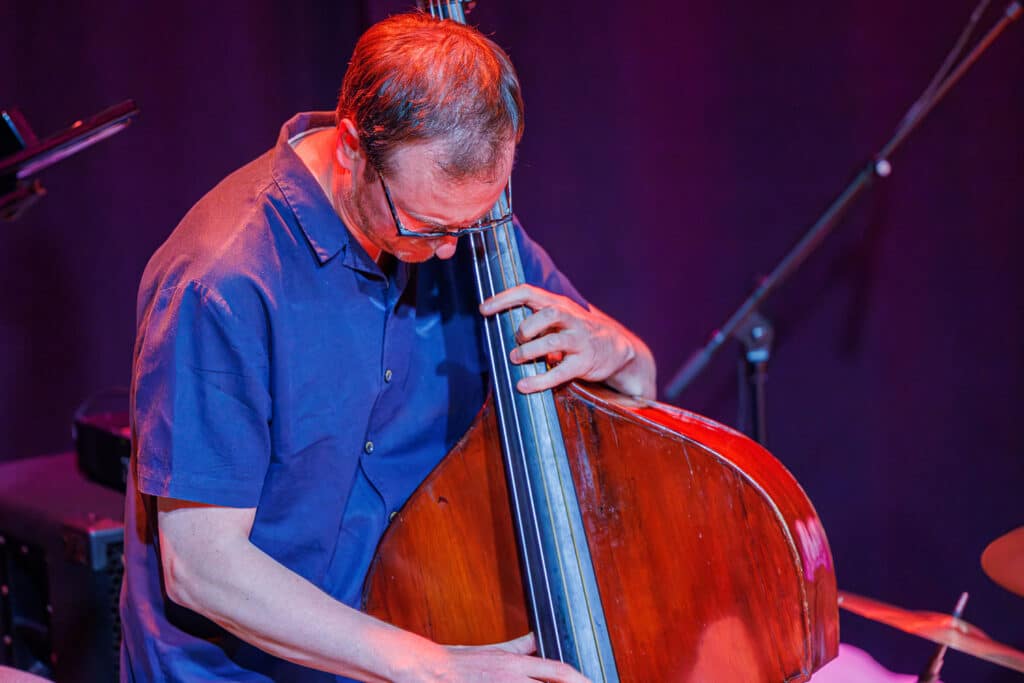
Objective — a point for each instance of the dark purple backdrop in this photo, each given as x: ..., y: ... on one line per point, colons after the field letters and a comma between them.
x: 673, y: 152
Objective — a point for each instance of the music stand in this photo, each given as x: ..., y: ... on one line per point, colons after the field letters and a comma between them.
x: 24, y: 154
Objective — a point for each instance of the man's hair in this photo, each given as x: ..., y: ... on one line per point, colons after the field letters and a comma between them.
x: 416, y: 79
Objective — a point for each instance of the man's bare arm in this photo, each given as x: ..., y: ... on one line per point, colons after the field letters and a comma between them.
x: 212, y: 568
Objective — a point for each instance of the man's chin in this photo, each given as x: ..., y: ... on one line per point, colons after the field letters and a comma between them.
x: 421, y: 255
x: 414, y: 256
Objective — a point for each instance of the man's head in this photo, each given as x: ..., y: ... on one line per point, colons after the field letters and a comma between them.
x: 431, y: 108
x: 414, y: 80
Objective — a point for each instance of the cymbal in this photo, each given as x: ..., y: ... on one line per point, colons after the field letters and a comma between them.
x: 1003, y: 561
x: 936, y: 627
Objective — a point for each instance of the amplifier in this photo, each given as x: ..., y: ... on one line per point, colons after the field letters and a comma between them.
x: 61, y: 543
x: 104, y: 447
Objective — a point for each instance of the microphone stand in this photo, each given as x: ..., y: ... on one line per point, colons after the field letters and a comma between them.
x: 745, y: 322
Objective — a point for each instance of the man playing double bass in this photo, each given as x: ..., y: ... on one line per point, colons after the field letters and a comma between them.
x: 308, y: 349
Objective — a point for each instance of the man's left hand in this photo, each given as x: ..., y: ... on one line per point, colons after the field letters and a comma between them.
x: 587, y: 344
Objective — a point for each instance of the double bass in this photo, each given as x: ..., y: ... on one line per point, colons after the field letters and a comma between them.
x: 638, y: 541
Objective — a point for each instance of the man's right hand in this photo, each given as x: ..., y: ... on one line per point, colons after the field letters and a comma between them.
x: 508, y: 662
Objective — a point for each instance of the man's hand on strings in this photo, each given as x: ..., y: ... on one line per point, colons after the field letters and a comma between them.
x: 507, y: 662
x: 579, y: 343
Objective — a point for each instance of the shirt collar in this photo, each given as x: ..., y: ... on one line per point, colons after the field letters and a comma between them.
x: 326, y: 233
x: 320, y: 223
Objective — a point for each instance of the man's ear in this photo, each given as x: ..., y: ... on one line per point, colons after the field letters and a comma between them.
x: 348, y: 152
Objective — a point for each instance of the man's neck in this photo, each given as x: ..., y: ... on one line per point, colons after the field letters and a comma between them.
x: 316, y: 148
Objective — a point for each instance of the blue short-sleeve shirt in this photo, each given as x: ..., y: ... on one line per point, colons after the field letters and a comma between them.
x: 276, y: 366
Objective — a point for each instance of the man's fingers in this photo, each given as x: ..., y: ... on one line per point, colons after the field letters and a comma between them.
x: 553, y: 671
x: 542, y: 320
x: 510, y: 661
x: 523, y: 645
x: 560, y: 374
x: 540, y: 348
x: 539, y: 669
x: 532, y: 297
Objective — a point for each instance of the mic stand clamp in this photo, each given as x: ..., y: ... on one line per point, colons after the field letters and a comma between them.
x: 756, y: 334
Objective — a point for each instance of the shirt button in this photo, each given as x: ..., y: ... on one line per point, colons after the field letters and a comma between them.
x: 368, y: 447
x: 392, y: 516
x: 387, y: 375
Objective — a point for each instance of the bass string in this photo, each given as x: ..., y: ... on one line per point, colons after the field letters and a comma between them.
x: 511, y: 276
x: 512, y: 429
x: 449, y: 10
x: 545, y: 420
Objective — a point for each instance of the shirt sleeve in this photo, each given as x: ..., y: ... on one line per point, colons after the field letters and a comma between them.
x: 540, y: 271
x: 200, y: 399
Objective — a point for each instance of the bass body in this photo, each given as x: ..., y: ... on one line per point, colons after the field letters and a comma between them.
x: 711, y: 562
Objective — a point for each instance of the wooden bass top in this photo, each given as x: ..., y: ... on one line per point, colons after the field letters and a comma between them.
x: 711, y: 562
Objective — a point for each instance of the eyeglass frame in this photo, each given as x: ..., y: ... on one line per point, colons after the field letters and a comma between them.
x: 482, y: 225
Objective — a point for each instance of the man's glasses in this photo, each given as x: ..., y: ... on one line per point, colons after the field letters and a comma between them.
x: 504, y: 205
